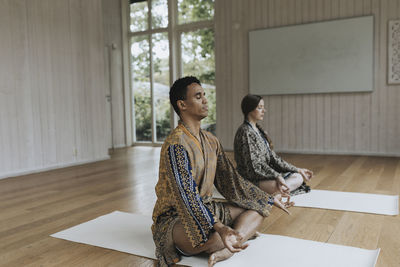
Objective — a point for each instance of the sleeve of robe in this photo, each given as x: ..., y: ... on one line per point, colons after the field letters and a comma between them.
x: 239, y: 190
x: 256, y: 163
x: 196, y: 218
x: 277, y: 162
x: 280, y: 164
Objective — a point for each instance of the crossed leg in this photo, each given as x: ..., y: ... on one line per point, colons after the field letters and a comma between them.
x: 246, y: 222
x: 270, y: 186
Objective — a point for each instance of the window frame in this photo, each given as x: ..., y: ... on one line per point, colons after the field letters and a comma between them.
x: 174, y: 31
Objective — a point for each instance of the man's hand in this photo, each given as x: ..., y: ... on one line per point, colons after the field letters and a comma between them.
x: 283, y: 205
x: 306, y: 174
x: 231, y: 238
x: 283, y: 188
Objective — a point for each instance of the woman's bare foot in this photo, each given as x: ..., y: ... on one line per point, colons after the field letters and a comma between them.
x: 219, y: 255
x: 256, y: 234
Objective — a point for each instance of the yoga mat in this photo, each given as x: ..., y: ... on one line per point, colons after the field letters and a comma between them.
x: 348, y: 201
x: 131, y: 233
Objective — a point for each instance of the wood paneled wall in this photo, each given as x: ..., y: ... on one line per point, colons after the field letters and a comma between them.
x: 348, y: 123
x: 114, y: 70
x: 52, y: 92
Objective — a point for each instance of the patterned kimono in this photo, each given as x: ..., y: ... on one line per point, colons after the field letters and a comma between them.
x: 189, y: 169
x: 255, y: 159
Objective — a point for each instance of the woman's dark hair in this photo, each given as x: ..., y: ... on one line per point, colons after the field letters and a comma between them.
x: 250, y: 103
x: 179, y: 89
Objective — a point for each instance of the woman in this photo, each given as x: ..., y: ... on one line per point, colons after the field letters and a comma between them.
x: 257, y: 162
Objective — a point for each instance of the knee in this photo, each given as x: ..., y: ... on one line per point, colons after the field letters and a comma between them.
x: 256, y: 217
x: 181, y: 240
x: 298, y: 179
x: 269, y: 186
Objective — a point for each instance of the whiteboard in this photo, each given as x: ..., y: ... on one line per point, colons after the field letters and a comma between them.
x: 325, y: 57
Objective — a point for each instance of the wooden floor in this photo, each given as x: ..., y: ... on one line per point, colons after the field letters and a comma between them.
x: 34, y: 206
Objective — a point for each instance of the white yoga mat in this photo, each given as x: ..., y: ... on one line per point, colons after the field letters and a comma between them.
x: 131, y: 233
x: 348, y: 201
x: 359, y: 202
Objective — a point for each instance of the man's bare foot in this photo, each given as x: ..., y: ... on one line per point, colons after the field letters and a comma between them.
x: 219, y: 255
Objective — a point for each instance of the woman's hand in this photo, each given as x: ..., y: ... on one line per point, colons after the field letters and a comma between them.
x: 231, y: 238
x: 283, y: 188
x: 306, y: 174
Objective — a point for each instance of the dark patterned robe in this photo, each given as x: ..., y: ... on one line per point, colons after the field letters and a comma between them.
x: 256, y: 161
x: 189, y: 169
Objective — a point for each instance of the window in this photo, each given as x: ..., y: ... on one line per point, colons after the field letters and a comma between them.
x: 164, y: 47
x: 195, y: 10
x: 198, y: 60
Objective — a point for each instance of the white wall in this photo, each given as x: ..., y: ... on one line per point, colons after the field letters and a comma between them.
x: 114, y: 70
x: 349, y: 123
x: 52, y: 85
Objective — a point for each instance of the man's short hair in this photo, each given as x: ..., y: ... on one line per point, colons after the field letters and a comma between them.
x: 178, y: 90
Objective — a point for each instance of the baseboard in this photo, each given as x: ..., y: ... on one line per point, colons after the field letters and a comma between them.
x: 120, y: 146
x: 51, y: 167
x: 111, y: 149
x: 350, y: 153
x: 328, y: 152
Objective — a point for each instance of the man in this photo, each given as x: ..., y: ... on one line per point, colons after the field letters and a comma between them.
x: 186, y: 220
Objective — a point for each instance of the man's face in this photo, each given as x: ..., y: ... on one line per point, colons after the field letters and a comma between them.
x: 195, y: 104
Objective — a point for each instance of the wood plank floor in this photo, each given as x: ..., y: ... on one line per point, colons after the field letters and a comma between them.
x: 34, y: 206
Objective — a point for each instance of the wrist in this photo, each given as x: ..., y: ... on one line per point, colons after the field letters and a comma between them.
x: 218, y: 226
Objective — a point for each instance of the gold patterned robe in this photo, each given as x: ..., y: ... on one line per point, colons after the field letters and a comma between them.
x: 189, y: 169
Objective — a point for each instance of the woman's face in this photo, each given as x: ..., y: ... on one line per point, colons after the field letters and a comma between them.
x: 258, y: 113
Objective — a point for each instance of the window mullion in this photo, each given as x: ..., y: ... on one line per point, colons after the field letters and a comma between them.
x: 195, y: 25
x: 173, y: 50
x: 150, y: 37
x: 150, y: 31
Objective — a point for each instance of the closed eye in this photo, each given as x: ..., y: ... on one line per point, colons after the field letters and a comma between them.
x: 198, y: 95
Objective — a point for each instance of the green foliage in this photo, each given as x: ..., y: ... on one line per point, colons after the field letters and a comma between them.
x: 212, y: 114
x: 198, y: 55
x: 163, y: 128
x: 198, y: 60
x: 142, y: 114
x: 206, y: 42
x: 195, y: 10
x: 138, y: 15
x: 159, y: 12
x: 140, y: 63
x: 163, y: 118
